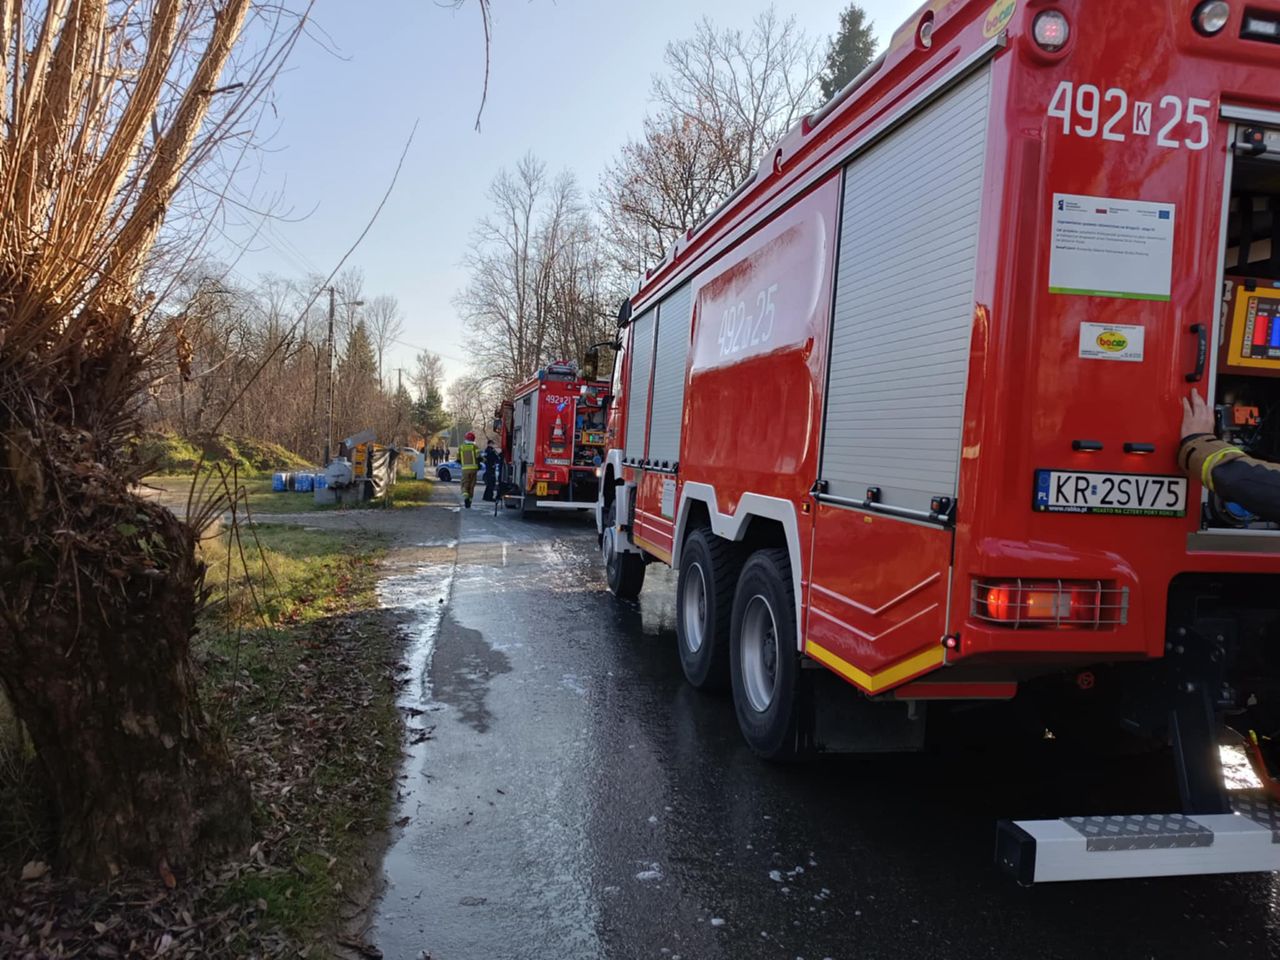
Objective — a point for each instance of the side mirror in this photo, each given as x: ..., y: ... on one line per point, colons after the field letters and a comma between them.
x: 598, y: 365
x: 497, y: 423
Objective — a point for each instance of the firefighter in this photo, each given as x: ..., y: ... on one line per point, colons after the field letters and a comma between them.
x: 491, y: 460
x: 469, y: 457
x: 1225, y: 469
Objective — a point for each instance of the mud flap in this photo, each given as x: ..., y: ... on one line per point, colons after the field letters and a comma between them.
x: 841, y: 720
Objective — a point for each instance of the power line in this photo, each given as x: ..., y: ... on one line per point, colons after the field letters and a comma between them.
x: 414, y: 346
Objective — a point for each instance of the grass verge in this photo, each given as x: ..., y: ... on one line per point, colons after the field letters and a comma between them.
x: 308, y: 701
x: 299, y: 667
x: 406, y: 492
x: 177, y: 455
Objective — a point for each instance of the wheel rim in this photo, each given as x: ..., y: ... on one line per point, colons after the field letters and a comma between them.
x: 610, y: 553
x: 760, y: 653
x: 695, y: 608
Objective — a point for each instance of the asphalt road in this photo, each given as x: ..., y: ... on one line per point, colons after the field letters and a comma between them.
x: 574, y: 798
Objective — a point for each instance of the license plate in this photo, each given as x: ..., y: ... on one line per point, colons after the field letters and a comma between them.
x: 1137, y: 494
x: 541, y: 489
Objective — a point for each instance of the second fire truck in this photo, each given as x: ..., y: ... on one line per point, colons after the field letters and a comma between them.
x: 905, y: 408
x: 552, y: 435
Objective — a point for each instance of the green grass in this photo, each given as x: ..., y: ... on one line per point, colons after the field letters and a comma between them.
x: 280, y: 575
x: 263, y: 501
x: 8, y: 724
x: 173, y: 455
x: 312, y: 671
x: 294, y: 899
x: 411, y: 493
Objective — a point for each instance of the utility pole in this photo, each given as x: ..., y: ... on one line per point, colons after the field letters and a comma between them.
x: 328, y: 434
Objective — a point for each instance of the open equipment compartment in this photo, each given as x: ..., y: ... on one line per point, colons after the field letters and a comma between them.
x: 1246, y: 387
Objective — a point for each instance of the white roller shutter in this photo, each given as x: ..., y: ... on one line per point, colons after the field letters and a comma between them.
x: 638, y: 385
x: 670, y: 359
x: 904, y: 305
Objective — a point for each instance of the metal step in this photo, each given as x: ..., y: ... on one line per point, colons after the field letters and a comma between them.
x: 1154, y: 845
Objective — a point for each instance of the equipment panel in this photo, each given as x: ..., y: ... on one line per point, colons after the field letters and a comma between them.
x: 1252, y: 345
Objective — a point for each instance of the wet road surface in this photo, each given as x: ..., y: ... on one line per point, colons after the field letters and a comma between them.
x: 574, y: 798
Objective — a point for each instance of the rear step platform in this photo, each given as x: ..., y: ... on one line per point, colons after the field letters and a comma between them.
x: 1156, y: 845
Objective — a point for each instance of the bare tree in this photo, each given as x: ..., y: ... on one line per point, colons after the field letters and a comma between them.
x: 658, y: 187
x: 472, y: 400
x: 382, y: 317
x: 744, y: 88
x: 505, y: 301
x: 727, y: 95
x: 109, y: 111
x: 539, y: 288
x: 349, y: 295
x: 427, y: 374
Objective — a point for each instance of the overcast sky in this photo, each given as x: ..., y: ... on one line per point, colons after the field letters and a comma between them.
x: 570, y: 82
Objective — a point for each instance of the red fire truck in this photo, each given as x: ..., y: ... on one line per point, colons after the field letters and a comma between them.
x: 906, y: 406
x: 552, y: 433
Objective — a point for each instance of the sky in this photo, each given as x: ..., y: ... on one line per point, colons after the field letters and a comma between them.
x: 570, y: 82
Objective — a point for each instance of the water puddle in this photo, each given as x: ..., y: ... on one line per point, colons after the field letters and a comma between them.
x: 462, y: 667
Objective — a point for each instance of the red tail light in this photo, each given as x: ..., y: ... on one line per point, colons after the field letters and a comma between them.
x: 1077, y: 604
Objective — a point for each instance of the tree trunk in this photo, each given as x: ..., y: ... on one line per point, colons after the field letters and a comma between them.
x: 98, y: 596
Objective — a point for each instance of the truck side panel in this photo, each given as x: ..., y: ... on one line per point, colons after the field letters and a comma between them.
x: 753, y: 403
x: 878, y: 596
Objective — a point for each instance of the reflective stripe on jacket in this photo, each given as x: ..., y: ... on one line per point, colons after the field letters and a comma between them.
x: 1232, y: 474
x: 467, y: 455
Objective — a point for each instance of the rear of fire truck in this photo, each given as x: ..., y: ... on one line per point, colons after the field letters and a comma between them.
x: 557, y: 438
x: 1124, y: 166
x: 1140, y: 262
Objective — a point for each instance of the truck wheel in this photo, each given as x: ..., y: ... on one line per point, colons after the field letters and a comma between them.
x: 763, y: 663
x: 709, y: 569
x: 624, y: 571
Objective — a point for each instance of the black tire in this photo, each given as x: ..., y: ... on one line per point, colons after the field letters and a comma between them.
x: 444, y: 474
x: 709, y: 568
x: 766, y: 686
x: 623, y: 571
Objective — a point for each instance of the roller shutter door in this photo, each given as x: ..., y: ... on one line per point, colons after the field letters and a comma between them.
x: 638, y: 384
x: 670, y: 359
x: 904, y: 305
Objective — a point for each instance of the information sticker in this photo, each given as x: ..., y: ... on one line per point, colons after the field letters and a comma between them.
x: 1111, y: 341
x: 668, y: 506
x: 1105, y: 247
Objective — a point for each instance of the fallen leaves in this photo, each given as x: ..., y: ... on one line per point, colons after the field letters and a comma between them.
x: 319, y: 738
x: 34, y: 870
x: 361, y: 946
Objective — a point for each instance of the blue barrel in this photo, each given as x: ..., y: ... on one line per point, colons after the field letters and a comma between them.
x: 302, y: 483
x: 322, y: 482
x: 279, y: 482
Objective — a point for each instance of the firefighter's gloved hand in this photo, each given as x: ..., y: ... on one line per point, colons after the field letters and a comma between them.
x: 1197, y: 416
